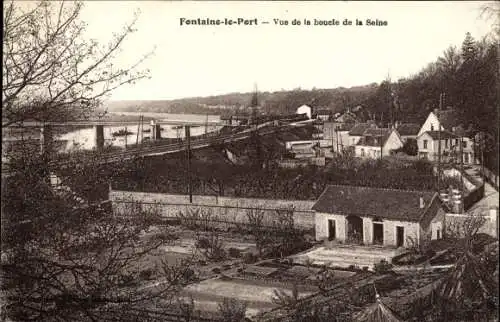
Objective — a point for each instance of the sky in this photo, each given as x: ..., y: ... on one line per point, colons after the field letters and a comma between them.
x: 193, y: 60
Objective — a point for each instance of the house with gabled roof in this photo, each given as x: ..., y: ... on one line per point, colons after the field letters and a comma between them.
x: 428, y: 144
x: 408, y: 131
x: 378, y: 142
x: 357, y: 131
x: 387, y: 217
x: 447, y: 120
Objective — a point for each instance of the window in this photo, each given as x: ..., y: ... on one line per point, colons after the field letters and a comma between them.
x: 464, y: 144
x: 362, y: 152
x: 432, y: 127
x: 446, y: 143
x: 425, y: 144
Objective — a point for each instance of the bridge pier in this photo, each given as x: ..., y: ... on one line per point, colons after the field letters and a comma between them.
x: 99, y: 137
x: 155, y: 131
x: 46, y: 139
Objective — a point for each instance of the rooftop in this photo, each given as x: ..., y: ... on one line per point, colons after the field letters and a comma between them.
x: 375, y: 137
x: 444, y: 135
x: 360, y: 128
x: 367, y: 201
x: 408, y: 129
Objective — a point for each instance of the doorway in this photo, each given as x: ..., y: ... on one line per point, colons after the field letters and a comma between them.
x: 331, y: 229
x: 400, y: 234
x: 378, y: 233
x: 354, y: 229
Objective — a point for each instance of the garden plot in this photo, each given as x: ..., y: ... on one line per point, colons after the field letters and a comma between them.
x: 209, y: 293
x: 187, y: 246
x: 343, y: 257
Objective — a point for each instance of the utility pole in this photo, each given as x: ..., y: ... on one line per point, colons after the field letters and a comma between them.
x: 462, y: 170
x: 482, y: 156
x: 331, y: 134
x: 337, y: 138
x: 188, y: 140
x: 126, y: 134
x: 142, y: 129
x: 441, y: 97
x: 381, y: 144
x: 138, y: 130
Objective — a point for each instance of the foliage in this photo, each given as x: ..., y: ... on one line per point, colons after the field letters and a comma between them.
x: 232, y: 310
x: 65, y: 255
x: 305, y: 183
x: 410, y: 147
x: 283, y: 299
x: 211, y: 245
x: 234, y: 252
x: 382, y: 267
x: 50, y: 71
x: 62, y: 260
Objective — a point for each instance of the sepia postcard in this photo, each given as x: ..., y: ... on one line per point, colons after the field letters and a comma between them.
x: 250, y: 161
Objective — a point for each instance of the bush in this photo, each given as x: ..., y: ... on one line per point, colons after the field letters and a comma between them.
x: 249, y: 258
x: 216, y: 270
x: 146, y: 274
x: 365, y: 268
x: 188, y: 274
x: 234, y: 252
x: 202, y: 243
x: 383, y: 267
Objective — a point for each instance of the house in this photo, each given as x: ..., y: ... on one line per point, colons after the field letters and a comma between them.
x: 337, y: 134
x: 428, y: 145
x: 386, y: 217
x: 408, y: 131
x: 323, y: 114
x: 357, y: 131
x: 305, y: 109
x: 376, y: 143
x: 447, y: 120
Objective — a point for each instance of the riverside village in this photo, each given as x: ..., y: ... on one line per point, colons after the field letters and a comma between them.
x: 375, y: 202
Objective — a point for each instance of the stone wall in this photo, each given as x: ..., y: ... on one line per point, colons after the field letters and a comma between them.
x: 225, y: 208
x: 456, y: 222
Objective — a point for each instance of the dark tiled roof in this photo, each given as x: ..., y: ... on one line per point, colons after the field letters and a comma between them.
x: 375, y: 137
x: 409, y: 129
x: 323, y: 112
x: 376, y: 132
x: 365, y: 201
x: 359, y: 129
x: 444, y: 135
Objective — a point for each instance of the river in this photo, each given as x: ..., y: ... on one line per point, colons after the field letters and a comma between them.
x: 85, y: 138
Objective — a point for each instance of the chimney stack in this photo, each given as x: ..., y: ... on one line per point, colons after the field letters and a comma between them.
x: 422, y: 203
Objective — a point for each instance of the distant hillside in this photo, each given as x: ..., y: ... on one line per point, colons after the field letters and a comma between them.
x: 279, y: 102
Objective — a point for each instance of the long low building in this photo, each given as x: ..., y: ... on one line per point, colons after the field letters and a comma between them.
x: 386, y: 217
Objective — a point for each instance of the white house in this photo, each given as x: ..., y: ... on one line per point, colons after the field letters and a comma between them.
x: 305, y: 109
x: 386, y: 217
x: 377, y: 142
x: 337, y: 134
x: 428, y: 144
x: 446, y: 120
x: 357, y: 132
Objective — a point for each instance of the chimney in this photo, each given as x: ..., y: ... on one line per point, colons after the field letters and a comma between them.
x: 422, y: 203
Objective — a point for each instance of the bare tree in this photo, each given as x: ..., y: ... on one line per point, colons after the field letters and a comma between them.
x: 50, y: 71
x: 232, y: 310
x: 63, y: 259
